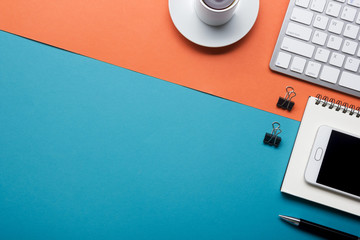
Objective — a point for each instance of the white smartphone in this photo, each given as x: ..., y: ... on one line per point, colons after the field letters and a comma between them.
x: 334, y: 162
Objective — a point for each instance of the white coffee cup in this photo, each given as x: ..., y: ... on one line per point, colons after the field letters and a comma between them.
x: 212, y: 16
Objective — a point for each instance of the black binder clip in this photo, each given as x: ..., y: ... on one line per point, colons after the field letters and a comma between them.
x: 272, y: 138
x: 285, y: 102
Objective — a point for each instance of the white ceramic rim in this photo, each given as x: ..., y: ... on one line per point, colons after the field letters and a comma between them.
x: 233, y: 4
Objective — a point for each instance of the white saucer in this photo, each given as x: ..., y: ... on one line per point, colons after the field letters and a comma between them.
x: 190, y: 26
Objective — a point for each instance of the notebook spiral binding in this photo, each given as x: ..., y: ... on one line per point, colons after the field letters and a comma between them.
x: 338, y: 105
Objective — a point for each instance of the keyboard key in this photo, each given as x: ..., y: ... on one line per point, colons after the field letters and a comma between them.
x: 283, y: 60
x: 322, y: 55
x: 298, y: 31
x: 329, y: 74
x: 348, y: 13
x: 355, y: 3
x: 298, y: 47
x: 333, y: 9
x: 349, y: 47
x: 337, y: 59
x: 313, y: 69
x: 298, y: 65
x: 351, y: 31
x: 319, y: 38
x: 352, y: 64
x: 321, y: 22
x: 358, y: 18
x: 318, y: 5
x: 301, y: 16
x: 334, y: 42
x: 350, y: 80
x: 302, y: 3
x: 336, y: 26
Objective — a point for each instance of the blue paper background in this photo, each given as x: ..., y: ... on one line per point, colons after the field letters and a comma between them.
x: 93, y: 151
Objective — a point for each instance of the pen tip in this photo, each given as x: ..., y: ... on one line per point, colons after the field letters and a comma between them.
x: 291, y: 220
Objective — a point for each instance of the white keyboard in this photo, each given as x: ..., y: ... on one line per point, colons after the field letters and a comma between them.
x: 319, y: 43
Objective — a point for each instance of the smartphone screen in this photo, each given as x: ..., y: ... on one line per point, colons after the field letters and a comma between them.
x: 340, y: 168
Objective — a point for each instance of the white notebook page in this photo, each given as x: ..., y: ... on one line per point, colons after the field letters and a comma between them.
x: 294, y: 182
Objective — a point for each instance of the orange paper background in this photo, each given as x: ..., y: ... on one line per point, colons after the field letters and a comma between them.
x: 139, y: 35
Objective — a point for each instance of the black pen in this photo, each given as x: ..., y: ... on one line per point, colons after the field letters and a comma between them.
x: 319, y: 230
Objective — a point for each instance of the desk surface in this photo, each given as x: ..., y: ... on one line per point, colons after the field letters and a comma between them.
x: 142, y: 37
x: 90, y: 150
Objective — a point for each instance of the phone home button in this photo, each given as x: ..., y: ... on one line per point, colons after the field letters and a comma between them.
x: 318, y: 154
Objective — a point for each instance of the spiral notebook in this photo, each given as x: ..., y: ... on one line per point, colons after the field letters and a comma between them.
x: 320, y: 111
